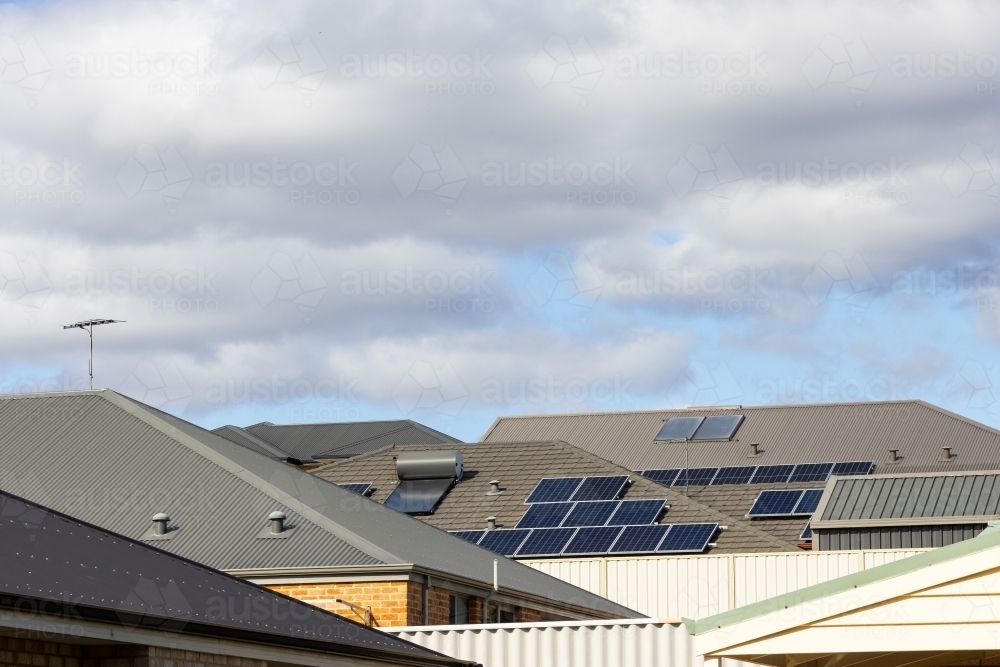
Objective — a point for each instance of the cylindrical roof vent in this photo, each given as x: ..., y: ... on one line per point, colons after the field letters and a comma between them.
x: 429, y: 465
x: 277, y: 520
x: 160, y: 521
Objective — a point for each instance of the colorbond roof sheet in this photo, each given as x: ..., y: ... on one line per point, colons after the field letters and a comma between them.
x: 115, y: 462
x: 49, y: 556
x: 956, y: 498
x: 521, y: 465
x: 342, y: 440
x: 786, y: 434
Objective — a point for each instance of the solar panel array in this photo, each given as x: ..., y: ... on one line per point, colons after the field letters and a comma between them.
x: 716, y: 427
x: 594, y: 540
x: 567, y: 489
x: 592, y: 513
x: 786, y: 502
x: 360, y: 488
x: 775, y: 474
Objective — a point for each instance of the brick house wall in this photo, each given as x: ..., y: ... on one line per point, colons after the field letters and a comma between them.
x: 32, y: 653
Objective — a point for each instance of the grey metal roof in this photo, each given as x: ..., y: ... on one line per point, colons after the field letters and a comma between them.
x: 519, y: 466
x: 243, y: 437
x: 115, y: 462
x: 909, y: 500
x: 786, y: 434
x: 51, y: 557
x: 307, y: 442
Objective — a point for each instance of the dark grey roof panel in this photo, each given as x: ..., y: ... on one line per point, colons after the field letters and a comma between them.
x: 966, y: 497
x: 49, y: 556
x: 250, y: 441
x: 786, y: 434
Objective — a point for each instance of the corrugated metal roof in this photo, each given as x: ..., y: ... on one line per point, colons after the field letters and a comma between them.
x: 519, y: 467
x: 334, y: 441
x: 49, y: 556
x: 115, y: 462
x: 786, y: 434
x: 909, y: 500
x: 243, y: 437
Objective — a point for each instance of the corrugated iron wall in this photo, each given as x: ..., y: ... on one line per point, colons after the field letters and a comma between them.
x: 697, y: 586
x: 896, y: 537
x: 573, y: 644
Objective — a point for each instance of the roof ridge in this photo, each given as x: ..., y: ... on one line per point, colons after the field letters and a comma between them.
x: 352, y: 459
x: 320, y: 520
x: 274, y: 449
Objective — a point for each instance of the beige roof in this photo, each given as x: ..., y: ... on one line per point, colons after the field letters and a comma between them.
x: 786, y: 434
x: 520, y: 465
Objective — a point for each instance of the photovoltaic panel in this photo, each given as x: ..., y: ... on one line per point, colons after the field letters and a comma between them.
x: 360, y: 488
x: 809, y: 501
x: 469, y: 535
x: 811, y: 472
x: 807, y: 532
x: 679, y: 428
x: 775, y: 503
x: 772, y: 474
x: 546, y: 542
x: 853, y: 468
x: 418, y: 496
x: 664, y: 477
x: 592, y: 541
x: 600, y: 488
x: 593, y: 513
x: 544, y: 515
x: 554, y: 490
x: 734, y: 475
x: 639, y: 539
x: 718, y: 427
x: 695, y: 477
x: 636, y: 512
x: 504, y: 542
x: 687, y: 537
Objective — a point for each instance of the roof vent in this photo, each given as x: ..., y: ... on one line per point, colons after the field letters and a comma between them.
x: 277, y: 520
x: 276, y: 527
x: 491, y: 523
x: 946, y: 455
x: 894, y: 456
x: 160, y: 521
x: 755, y: 450
x: 495, y: 489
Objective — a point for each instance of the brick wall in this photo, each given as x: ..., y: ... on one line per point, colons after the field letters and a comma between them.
x: 31, y: 653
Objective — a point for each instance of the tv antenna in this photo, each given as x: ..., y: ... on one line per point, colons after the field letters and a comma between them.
x: 88, y: 326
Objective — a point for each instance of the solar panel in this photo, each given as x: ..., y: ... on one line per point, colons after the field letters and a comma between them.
x: 664, y: 477
x: 807, y: 532
x: 695, y: 477
x: 772, y: 474
x: 504, y: 541
x: 636, y: 512
x: 687, y: 537
x: 593, y: 513
x: 360, y: 488
x: 469, y: 535
x: 601, y: 488
x: 811, y: 472
x: 544, y: 515
x: 592, y: 541
x: 554, y: 490
x: 809, y: 501
x: 718, y: 427
x: 734, y: 475
x: 418, y: 496
x: 639, y: 539
x: 679, y: 428
x: 546, y: 542
x: 775, y: 503
x: 853, y: 468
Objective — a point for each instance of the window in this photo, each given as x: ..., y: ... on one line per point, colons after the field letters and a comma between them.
x: 458, y: 610
x: 495, y: 614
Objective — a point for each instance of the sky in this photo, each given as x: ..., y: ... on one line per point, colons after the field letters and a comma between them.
x: 449, y: 212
